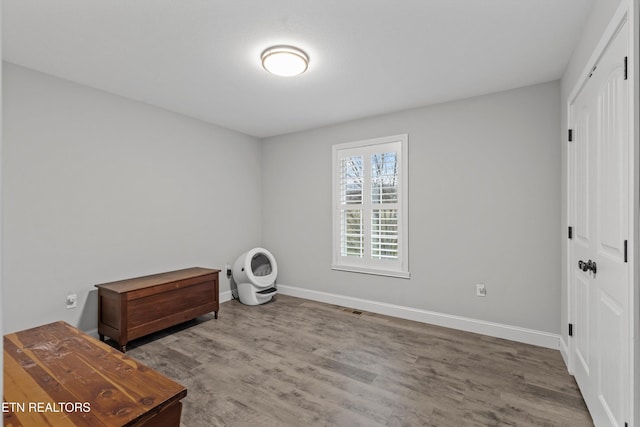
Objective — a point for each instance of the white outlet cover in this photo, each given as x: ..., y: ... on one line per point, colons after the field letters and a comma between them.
x: 72, y: 301
x: 481, y: 291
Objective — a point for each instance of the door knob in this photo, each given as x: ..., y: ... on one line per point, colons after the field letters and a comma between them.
x: 582, y: 265
x: 589, y: 265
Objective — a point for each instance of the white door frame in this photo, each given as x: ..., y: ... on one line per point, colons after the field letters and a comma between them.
x: 627, y: 11
x: 634, y: 188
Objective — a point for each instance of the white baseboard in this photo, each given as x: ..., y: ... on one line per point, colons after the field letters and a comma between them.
x: 564, y: 352
x: 513, y: 333
x: 225, y: 296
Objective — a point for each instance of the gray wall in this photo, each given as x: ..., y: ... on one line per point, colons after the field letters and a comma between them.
x: 601, y: 14
x: 99, y: 188
x: 484, y: 208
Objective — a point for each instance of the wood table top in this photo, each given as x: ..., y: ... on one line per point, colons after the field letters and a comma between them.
x: 56, y: 375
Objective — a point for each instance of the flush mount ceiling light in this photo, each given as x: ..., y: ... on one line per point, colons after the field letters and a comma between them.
x: 286, y: 61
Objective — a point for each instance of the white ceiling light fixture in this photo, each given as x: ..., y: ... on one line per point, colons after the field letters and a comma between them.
x: 285, y: 61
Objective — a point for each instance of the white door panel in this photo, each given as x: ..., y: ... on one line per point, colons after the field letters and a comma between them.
x: 582, y: 333
x: 581, y: 162
x: 599, y: 194
x: 610, y: 373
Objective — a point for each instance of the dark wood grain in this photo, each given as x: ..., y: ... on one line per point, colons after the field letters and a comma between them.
x: 58, y: 363
x: 145, y: 282
x: 132, y: 308
x: 294, y: 362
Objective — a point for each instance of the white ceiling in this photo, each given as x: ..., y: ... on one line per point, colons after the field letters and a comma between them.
x: 367, y: 57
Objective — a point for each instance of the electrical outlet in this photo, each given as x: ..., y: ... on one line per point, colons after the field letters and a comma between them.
x: 481, y: 291
x: 72, y: 301
x: 227, y: 267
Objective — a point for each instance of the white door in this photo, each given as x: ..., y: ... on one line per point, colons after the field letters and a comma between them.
x: 599, y: 215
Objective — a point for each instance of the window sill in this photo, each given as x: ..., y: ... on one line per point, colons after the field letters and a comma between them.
x: 377, y: 272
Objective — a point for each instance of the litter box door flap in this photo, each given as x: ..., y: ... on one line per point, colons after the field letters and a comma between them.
x: 262, y: 268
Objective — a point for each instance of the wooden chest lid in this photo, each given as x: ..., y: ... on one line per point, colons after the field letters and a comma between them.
x: 136, y: 283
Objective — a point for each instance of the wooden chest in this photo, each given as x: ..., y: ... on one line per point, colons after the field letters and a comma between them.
x: 129, y: 309
x: 56, y: 375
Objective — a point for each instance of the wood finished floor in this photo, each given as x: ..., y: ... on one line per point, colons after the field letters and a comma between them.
x: 295, y: 362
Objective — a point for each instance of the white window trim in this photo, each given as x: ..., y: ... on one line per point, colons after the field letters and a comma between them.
x: 399, y: 268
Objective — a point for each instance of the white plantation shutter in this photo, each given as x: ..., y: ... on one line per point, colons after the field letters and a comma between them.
x: 384, y: 200
x: 351, y: 193
x: 351, y: 233
x: 369, y: 203
x: 384, y: 234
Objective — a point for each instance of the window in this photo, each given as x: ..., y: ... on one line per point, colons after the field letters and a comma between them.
x: 370, y: 226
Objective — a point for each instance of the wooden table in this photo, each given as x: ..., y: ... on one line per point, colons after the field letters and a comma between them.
x: 56, y: 375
